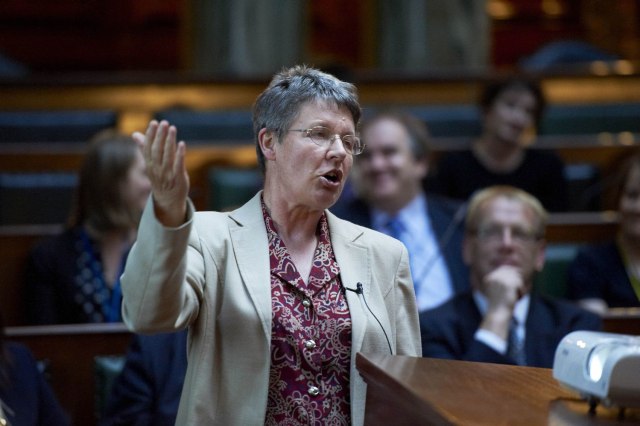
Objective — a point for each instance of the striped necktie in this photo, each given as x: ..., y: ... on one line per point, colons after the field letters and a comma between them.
x: 396, y: 229
x: 515, y: 349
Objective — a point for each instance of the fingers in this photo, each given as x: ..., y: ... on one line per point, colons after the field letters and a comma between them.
x: 158, y: 143
x: 149, y: 136
x: 178, y: 162
x: 164, y: 157
x: 138, y: 139
x: 505, y: 284
x: 507, y: 273
x: 169, y: 148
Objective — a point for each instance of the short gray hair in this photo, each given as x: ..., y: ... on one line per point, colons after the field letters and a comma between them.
x: 280, y: 103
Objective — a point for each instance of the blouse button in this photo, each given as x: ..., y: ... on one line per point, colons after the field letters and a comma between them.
x: 313, y: 391
x: 306, y: 303
x: 310, y: 344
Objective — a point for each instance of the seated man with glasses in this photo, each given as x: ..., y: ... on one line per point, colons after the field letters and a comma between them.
x: 500, y: 320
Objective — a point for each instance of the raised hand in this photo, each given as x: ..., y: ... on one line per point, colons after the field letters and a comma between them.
x: 166, y: 169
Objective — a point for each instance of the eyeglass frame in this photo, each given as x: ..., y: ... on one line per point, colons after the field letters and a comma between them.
x: 326, y: 143
x: 495, y: 233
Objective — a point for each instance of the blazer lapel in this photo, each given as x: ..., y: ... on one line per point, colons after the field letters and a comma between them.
x: 250, y: 245
x: 354, y: 268
x: 249, y: 239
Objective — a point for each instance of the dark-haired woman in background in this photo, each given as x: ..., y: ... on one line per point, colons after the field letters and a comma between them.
x: 511, y: 111
x: 25, y: 397
x: 74, y: 277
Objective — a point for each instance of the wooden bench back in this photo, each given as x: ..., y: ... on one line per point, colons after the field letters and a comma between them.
x: 69, y: 353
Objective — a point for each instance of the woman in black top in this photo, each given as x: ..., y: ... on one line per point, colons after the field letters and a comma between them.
x: 511, y: 111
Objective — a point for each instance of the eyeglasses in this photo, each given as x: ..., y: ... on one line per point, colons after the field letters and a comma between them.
x: 322, y: 137
x: 496, y: 233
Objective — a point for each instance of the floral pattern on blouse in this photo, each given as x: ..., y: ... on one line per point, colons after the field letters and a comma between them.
x: 311, y: 337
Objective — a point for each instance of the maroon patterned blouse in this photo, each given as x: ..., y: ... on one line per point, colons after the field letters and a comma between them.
x: 311, y: 337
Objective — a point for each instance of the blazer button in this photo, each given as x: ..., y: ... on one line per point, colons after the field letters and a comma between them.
x: 306, y: 303
x: 310, y: 344
x: 313, y: 391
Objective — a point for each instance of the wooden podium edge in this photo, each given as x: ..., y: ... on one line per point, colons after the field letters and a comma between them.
x: 388, y: 401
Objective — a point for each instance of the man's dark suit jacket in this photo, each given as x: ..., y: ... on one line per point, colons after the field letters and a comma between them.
x: 147, y: 392
x: 443, y: 214
x: 448, y: 330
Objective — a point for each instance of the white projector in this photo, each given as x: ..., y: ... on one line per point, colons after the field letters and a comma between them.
x: 602, y: 367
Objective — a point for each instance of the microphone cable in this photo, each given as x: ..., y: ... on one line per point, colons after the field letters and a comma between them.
x: 359, y: 291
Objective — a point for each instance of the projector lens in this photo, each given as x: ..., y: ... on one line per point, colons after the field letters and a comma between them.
x: 598, y: 357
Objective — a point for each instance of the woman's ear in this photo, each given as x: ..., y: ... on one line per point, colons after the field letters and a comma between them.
x: 268, y: 140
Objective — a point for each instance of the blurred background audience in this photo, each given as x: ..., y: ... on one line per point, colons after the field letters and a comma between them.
x: 501, y: 320
x: 387, y: 180
x: 138, y: 59
x: 74, y: 277
x: 511, y: 112
x: 607, y: 275
x: 147, y: 391
x: 25, y: 396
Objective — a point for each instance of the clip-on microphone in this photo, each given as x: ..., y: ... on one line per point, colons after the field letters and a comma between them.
x: 359, y: 290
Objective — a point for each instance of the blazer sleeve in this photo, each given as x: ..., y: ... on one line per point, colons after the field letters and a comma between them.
x: 481, y: 352
x: 406, y: 319
x: 159, y: 293
x: 434, y: 346
x: 443, y: 336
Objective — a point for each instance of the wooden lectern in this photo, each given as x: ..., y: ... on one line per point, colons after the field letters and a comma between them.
x: 413, y: 391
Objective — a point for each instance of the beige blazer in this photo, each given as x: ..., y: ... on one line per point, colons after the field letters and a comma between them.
x: 212, y: 275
